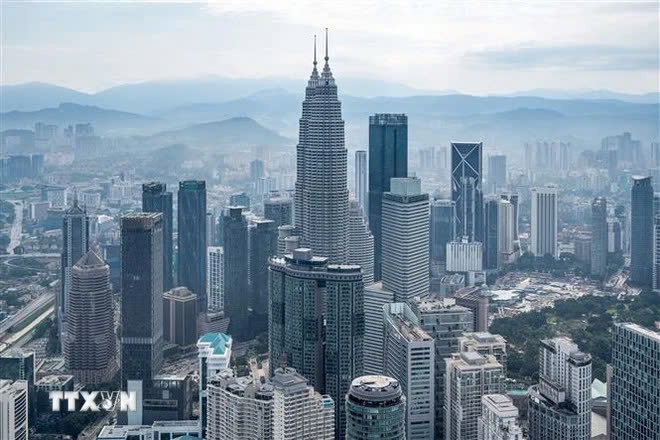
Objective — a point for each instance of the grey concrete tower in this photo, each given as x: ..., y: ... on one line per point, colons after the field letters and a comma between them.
x: 321, y: 184
x: 599, y: 236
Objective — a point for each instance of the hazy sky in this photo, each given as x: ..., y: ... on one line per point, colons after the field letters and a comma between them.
x: 473, y: 47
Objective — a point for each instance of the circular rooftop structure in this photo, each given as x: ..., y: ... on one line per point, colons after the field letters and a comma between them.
x: 374, y: 390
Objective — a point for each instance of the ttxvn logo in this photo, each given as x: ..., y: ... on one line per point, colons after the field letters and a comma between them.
x: 94, y: 400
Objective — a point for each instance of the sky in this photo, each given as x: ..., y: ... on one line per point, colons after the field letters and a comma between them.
x: 473, y: 47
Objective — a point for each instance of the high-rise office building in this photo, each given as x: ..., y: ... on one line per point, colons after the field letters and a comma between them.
x: 443, y: 228
x: 405, y: 239
x: 614, y: 236
x: 409, y: 358
x: 214, y: 353
x: 641, y: 231
x: 485, y: 343
x: 215, y: 278
x: 90, y: 348
x: 496, y: 172
x: 18, y: 364
x: 14, y: 407
x: 375, y: 408
x: 622, y: 218
x: 360, y: 242
x: 192, y: 239
x: 560, y: 405
x: 564, y: 156
x: 466, y: 191
x: 375, y: 297
x: 656, y: 253
x: 544, y: 221
x: 141, y: 296
x: 498, y: 419
x: 211, y: 229
x: 75, y: 244
x: 361, y: 180
x: 476, y: 299
x: 388, y: 158
x: 321, y: 183
x: 240, y: 199
x: 656, y: 203
x: 256, y: 169
x: 263, y: 245
x: 513, y: 198
x: 464, y: 256
x: 299, y: 412
x: 634, y: 386
x: 302, y: 288
x: 655, y: 154
x: 279, y: 210
x: 236, y: 268
x: 445, y: 322
x: 469, y: 377
x: 599, y: 237
x: 156, y: 198
x: 505, y: 231
x: 491, y: 234
x: 180, y: 317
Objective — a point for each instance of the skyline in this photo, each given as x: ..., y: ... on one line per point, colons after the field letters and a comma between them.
x: 473, y: 48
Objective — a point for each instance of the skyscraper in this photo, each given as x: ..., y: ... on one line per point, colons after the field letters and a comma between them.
x: 361, y: 180
x: 405, y: 239
x: 192, y: 239
x: 485, y: 343
x: 560, y: 406
x: 280, y: 210
x: 409, y: 358
x: 90, y: 350
x: 215, y: 278
x: 180, y: 317
x: 513, y: 199
x: 505, y: 231
x: 141, y: 296
x: 466, y: 191
x: 156, y: 198
x: 499, y: 418
x: 656, y: 253
x: 321, y: 183
x: 634, y: 383
x: 496, y: 172
x: 445, y: 322
x: 443, y: 228
x: 490, y: 239
x: 236, y: 269
x: 375, y: 408
x: 360, y: 242
x: 599, y: 237
x: 75, y: 244
x: 469, y: 377
x: 544, y: 221
x: 375, y: 297
x: 18, y: 364
x: 388, y: 158
x: 14, y: 410
x: 263, y: 245
x: 214, y: 353
x: 641, y: 231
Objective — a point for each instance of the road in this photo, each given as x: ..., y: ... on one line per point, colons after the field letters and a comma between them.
x: 16, y: 227
x: 26, y: 311
x: 32, y: 255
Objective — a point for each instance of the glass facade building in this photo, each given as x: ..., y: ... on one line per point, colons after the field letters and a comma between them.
x: 236, y: 294
x: 641, y: 231
x: 191, y: 261
x: 466, y: 190
x: 156, y: 198
x: 375, y: 409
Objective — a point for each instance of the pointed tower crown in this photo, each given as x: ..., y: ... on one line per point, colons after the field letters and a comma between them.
x: 314, y: 77
x: 327, y: 73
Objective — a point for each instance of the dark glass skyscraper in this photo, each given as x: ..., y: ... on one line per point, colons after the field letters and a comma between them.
x: 141, y: 296
x: 191, y: 261
x: 496, y: 172
x: 466, y: 166
x: 491, y: 255
x: 641, y: 231
x: 156, y: 198
x: 75, y: 244
x: 263, y: 245
x: 388, y: 157
x: 599, y: 236
x: 443, y: 227
x: 236, y: 269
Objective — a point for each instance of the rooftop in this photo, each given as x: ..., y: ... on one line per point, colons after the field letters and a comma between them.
x: 429, y: 305
x: 217, y: 341
x: 375, y: 388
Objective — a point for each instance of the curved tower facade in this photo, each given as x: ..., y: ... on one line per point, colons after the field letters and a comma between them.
x: 375, y: 408
x: 321, y: 183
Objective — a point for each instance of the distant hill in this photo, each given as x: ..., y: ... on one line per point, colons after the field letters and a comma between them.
x: 235, y: 132
x: 35, y: 96
x: 643, y: 98
x: 104, y: 121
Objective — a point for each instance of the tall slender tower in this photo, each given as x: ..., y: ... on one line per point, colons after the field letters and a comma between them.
x: 321, y: 185
x: 361, y: 243
x: 75, y: 244
x: 388, y: 158
x: 361, y: 179
x: 641, y: 228
x: 156, y: 198
x: 599, y: 236
x: 235, y: 269
x: 466, y: 191
x: 544, y: 221
x: 192, y: 239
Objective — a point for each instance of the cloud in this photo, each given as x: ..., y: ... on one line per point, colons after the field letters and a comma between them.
x: 590, y: 57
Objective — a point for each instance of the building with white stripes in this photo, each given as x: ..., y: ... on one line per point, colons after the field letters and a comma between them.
x: 543, y: 239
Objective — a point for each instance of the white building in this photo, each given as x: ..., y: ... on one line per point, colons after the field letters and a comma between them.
x: 299, y: 412
x: 543, y: 239
x: 13, y: 410
x: 464, y: 256
x: 215, y: 278
x: 361, y: 179
x: 405, y: 239
x: 360, y: 242
x: 485, y: 343
x: 468, y: 378
x: 505, y: 231
x: 161, y: 430
x: 214, y: 353
x: 498, y: 420
x: 409, y: 356
x: 375, y: 297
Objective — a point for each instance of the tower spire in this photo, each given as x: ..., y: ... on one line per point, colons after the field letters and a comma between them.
x: 326, y: 47
x: 314, y: 50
